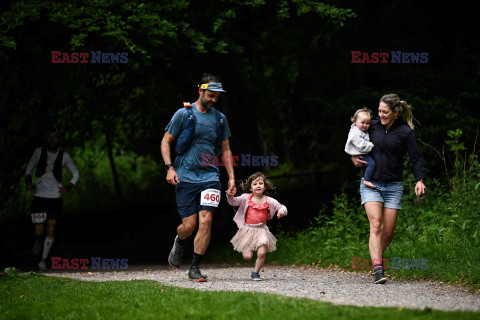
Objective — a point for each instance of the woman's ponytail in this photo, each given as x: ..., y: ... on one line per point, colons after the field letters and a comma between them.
x: 403, y: 108
x: 406, y: 112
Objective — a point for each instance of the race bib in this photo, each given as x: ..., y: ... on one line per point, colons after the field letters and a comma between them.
x: 39, y: 217
x: 210, y: 197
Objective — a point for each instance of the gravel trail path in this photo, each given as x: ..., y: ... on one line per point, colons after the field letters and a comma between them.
x: 338, y: 287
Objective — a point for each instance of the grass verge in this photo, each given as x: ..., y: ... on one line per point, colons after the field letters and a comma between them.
x: 33, y: 296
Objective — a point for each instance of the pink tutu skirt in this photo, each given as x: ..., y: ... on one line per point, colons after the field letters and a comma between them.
x: 249, y: 238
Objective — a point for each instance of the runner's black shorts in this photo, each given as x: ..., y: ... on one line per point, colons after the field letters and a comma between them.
x: 51, y: 206
x: 188, y: 197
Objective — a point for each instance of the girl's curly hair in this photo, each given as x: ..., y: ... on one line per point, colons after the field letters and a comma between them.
x: 245, y: 185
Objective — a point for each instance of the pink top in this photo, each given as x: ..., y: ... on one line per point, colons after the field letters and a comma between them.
x: 256, y: 213
x: 242, y: 203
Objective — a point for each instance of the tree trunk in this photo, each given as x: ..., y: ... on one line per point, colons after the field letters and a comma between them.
x: 116, y: 182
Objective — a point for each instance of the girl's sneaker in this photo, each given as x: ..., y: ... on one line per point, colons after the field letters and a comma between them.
x: 256, y: 276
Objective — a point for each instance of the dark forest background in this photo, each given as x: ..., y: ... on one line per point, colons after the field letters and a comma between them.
x: 291, y: 92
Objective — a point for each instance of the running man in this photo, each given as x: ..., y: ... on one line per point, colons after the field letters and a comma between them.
x: 197, y: 186
x: 47, y: 191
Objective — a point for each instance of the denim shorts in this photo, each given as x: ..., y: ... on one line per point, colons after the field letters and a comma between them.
x: 388, y: 192
x: 188, y: 197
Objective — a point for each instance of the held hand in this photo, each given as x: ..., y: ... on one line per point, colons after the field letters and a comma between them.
x: 280, y: 214
x: 172, y: 177
x: 232, y: 189
x: 31, y: 187
x: 420, y: 188
x: 357, y: 162
x: 63, y: 190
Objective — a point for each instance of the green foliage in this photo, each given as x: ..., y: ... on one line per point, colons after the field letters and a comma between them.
x: 130, y: 103
x: 19, y: 14
x: 450, y: 216
x: 346, y: 224
x: 121, y: 21
x: 331, y: 239
x: 139, y: 178
x: 17, y: 204
x: 334, y: 14
x: 460, y: 162
x: 11, y: 271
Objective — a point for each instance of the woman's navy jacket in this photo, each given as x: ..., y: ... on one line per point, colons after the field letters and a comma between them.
x: 390, y: 147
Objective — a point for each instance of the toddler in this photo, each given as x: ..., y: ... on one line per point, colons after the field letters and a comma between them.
x: 358, y: 142
x: 251, y: 217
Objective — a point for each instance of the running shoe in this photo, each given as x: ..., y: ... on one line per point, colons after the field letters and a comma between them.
x: 256, y: 276
x: 175, y: 257
x: 42, y: 266
x: 379, y: 276
x: 194, y: 274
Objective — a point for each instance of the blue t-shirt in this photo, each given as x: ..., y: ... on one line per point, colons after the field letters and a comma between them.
x: 189, y: 165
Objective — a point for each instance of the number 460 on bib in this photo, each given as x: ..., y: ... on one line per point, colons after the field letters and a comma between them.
x: 210, y: 197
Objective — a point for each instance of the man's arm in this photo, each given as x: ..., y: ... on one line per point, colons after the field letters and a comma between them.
x: 31, y: 165
x: 227, y: 155
x: 172, y: 176
x: 72, y: 168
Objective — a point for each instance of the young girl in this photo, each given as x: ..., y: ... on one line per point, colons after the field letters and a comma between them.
x: 254, y: 210
x: 358, y: 142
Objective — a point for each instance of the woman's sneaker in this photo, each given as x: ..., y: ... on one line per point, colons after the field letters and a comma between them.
x: 194, y: 274
x: 256, y: 276
x: 175, y: 257
x: 379, y: 276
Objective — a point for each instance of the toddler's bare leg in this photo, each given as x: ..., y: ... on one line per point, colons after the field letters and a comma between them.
x: 247, y: 255
x: 261, y: 253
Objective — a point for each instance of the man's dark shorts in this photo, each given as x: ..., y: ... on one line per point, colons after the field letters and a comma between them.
x: 51, y: 206
x: 188, y: 197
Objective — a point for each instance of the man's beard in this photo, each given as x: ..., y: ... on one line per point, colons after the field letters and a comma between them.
x: 205, y: 104
x: 52, y: 148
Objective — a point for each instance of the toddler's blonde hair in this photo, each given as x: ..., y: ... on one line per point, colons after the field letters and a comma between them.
x: 365, y: 110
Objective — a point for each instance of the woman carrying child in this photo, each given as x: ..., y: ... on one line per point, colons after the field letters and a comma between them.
x: 393, y: 137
